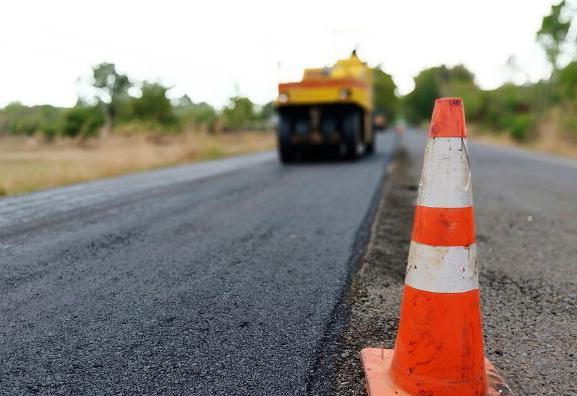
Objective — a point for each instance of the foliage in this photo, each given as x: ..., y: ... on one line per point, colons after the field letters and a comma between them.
x: 238, y: 114
x: 385, y: 99
x: 499, y: 106
x: 153, y: 105
x: 110, y: 85
x: 419, y: 103
x: 508, y: 108
x: 567, y: 82
x: 17, y: 119
x: 553, y: 33
x: 267, y: 111
x: 195, y: 115
x: 433, y: 83
x: 82, y: 121
x: 521, y: 126
x: 111, y: 91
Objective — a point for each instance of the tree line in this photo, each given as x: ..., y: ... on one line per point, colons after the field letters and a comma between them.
x: 513, y: 109
x: 122, y: 105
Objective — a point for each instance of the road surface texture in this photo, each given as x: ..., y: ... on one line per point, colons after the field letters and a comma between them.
x: 222, y: 278
x: 526, y: 211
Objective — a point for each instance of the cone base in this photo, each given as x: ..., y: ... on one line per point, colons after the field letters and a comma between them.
x: 376, y: 364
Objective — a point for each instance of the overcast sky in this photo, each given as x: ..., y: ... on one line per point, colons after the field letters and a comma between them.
x: 214, y: 49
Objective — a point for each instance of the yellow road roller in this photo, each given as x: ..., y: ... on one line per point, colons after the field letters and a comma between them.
x: 329, y: 109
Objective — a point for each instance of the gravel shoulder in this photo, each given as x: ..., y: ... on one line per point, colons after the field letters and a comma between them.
x: 527, y: 242
x: 374, y: 297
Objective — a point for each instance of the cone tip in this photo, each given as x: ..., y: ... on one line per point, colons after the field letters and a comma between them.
x: 448, y: 118
x: 453, y: 101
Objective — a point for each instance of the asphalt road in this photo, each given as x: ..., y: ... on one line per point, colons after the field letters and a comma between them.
x: 215, y: 278
x: 526, y: 211
x: 526, y: 215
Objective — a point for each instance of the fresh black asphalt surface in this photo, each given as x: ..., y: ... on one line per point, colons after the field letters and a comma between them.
x: 219, y: 278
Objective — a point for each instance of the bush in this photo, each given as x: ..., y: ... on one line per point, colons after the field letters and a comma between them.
x: 195, y: 115
x: 442, y: 81
x: 153, y: 105
x: 17, y: 119
x: 566, y: 83
x: 82, y: 121
x: 506, y: 108
x: 238, y: 114
x: 521, y: 126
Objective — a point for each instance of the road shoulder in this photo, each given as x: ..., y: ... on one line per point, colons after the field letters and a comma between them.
x: 374, y: 296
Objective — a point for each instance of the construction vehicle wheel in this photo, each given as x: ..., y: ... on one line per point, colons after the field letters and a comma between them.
x: 286, y: 153
x: 370, y: 147
x: 352, y: 134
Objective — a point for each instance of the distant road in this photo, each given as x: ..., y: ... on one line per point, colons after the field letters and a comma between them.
x: 210, y: 279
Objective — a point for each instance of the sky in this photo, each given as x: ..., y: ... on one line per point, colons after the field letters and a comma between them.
x: 215, y: 49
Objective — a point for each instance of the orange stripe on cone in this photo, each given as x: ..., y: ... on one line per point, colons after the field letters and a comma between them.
x: 444, y: 226
x: 439, y: 347
x: 448, y: 118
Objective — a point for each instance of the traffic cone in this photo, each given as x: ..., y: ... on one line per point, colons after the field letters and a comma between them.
x: 439, y: 346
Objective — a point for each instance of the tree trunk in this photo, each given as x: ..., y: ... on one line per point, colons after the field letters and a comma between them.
x: 107, y: 127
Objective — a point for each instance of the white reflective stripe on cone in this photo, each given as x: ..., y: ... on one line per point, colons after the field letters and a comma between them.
x: 442, y: 269
x: 446, y: 177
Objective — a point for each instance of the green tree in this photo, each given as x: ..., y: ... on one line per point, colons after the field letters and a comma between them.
x: 385, y: 100
x: 195, y: 115
x: 82, y: 120
x: 460, y: 82
x: 510, y: 108
x: 442, y: 81
x: 238, y: 114
x: 553, y: 33
x: 153, y: 105
x: 266, y: 111
x: 17, y: 119
x: 567, y: 82
x: 419, y: 103
x: 112, y: 88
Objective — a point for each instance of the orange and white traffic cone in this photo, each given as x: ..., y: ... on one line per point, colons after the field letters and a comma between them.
x: 439, y: 347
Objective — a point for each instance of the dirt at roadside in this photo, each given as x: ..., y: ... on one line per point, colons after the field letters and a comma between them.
x: 28, y: 165
x: 374, y: 297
